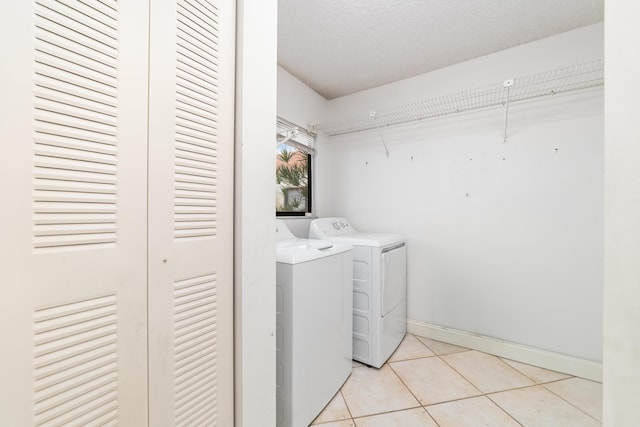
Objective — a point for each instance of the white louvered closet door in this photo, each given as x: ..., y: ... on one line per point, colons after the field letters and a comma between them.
x: 192, y: 56
x: 73, y: 149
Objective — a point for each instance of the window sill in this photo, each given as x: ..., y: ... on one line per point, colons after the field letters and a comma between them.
x: 287, y: 216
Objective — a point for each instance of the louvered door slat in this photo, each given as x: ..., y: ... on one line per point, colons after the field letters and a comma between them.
x: 101, y: 30
x: 94, y: 12
x: 193, y: 99
x: 76, y: 122
x: 54, y: 32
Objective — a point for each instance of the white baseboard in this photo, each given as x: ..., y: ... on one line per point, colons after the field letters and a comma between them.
x: 521, y: 353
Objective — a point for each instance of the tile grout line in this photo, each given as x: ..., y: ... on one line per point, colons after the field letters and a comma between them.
x: 486, y: 394
x: 506, y: 389
x: 410, y: 358
x: 378, y: 413
x: 345, y: 402
x: 439, y: 356
x: 531, y: 378
x: 462, y: 349
x: 562, y: 398
x: 388, y: 363
x: 433, y: 353
x: 504, y: 410
x: 423, y: 406
x: 323, y: 409
x: 397, y: 410
x: 482, y: 394
x: 436, y: 354
x: 405, y: 386
x: 409, y: 388
x: 460, y: 373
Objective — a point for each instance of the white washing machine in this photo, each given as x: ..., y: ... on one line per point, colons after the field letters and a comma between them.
x: 379, y: 287
x: 314, y: 294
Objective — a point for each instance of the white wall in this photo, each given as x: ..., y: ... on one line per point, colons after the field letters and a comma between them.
x: 622, y: 216
x: 511, y: 248
x: 255, y: 264
x: 298, y: 103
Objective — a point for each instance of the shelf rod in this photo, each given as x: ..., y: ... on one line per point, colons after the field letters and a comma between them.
x: 372, y: 114
x: 567, y: 79
x: 507, y: 84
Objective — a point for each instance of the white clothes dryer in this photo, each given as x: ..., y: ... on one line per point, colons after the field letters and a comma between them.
x: 314, y: 294
x: 379, y: 287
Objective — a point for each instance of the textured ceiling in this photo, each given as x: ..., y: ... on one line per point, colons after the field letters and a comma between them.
x: 339, y: 47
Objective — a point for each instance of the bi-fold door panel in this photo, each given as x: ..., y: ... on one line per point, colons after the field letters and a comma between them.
x: 191, y: 212
x: 73, y: 224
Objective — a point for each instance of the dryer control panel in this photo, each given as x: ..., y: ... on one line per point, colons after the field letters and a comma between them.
x: 327, y: 227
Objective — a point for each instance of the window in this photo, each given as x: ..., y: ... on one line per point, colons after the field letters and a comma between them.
x: 294, y: 151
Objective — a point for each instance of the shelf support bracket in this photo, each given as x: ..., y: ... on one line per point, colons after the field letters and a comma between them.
x: 372, y: 114
x: 507, y: 85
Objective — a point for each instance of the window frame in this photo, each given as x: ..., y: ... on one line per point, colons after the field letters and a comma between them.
x: 308, y: 138
x: 309, y: 201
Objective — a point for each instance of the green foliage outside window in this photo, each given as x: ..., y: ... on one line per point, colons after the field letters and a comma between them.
x: 292, y: 179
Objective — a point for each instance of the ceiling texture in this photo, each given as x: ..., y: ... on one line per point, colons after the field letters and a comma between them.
x: 338, y: 47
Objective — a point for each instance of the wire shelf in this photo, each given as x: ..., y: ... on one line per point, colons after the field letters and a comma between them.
x: 575, y: 77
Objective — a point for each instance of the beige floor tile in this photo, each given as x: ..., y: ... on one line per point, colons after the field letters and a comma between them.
x: 334, y: 411
x: 371, y: 391
x: 539, y: 375
x: 433, y: 381
x: 488, y: 373
x: 410, y: 348
x: 439, y: 347
x: 538, y: 407
x: 416, y: 417
x: 474, y: 412
x: 343, y: 423
x: 585, y: 394
x: 356, y: 364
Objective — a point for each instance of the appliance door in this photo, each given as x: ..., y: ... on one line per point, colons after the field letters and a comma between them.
x: 394, y: 276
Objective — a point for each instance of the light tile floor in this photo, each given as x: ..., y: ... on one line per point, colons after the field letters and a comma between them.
x: 429, y: 383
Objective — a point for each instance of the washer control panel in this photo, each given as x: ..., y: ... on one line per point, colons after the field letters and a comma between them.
x: 339, y: 225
